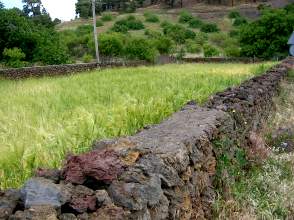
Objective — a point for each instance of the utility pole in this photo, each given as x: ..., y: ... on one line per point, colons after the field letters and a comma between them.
x: 95, y: 31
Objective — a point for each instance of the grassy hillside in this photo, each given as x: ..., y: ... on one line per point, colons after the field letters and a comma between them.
x: 218, y: 40
x: 44, y: 119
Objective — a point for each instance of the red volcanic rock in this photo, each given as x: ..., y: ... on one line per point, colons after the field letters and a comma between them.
x: 102, y: 165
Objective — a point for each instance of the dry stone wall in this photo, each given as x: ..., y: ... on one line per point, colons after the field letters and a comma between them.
x: 164, y: 171
x: 57, y: 70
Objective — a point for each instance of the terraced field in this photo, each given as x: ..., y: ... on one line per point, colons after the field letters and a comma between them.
x: 42, y: 120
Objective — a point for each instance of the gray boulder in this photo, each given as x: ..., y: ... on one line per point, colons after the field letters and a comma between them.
x: 40, y: 191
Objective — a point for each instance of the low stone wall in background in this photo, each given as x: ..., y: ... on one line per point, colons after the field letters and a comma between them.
x: 165, y: 171
x: 221, y: 60
x: 55, y: 70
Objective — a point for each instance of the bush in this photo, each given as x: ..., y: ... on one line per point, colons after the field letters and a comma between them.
x: 178, y: 32
x: 234, y: 33
x: 189, y: 34
x: 210, y: 51
x: 209, y: 28
x: 192, y: 47
x: 230, y: 42
x: 149, y: 17
x: 232, y: 51
x: 218, y: 38
x: 134, y: 24
x: 130, y: 23
x: 267, y: 37
x: 195, y: 23
x: 13, y: 57
x: 165, y: 24
x: 106, y: 17
x: 290, y: 8
x: 120, y: 27
x: 201, y: 38
x: 84, y: 29
x: 87, y: 58
x: 239, y: 21
x: 99, y: 23
x: 152, y: 34
x: 140, y: 48
x: 185, y: 16
x: 164, y: 45
x: 51, y: 50
x: 111, y: 44
x: 234, y: 14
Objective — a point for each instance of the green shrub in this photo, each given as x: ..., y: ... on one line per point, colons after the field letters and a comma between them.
x: 164, y: 44
x: 77, y: 43
x: 195, y: 23
x: 234, y: 33
x: 99, y: 23
x: 130, y: 23
x: 230, y: 42
x: 267, y: 37
x: 218, y: 38
x: 111, y: 44
x: 189, y: 34
x: 192, y: 47
x: 87, y: 58
x: 152, y: 34
x: 178, y: 33
x: 232, y: 51
x: 140, y: 48
x: 84, y: 29
x: 13, y: 57
x: 209, y: 28
x: 239, y: 21
x: 134, y: 24
x: 185, y: 16
x: 210, y: 51
x: 120, y: 27
x: 234, y: 14
x: 165, y: 24
x: 150, y: 17
x: 107, y: 17
x: 201, y: 38
x: 50, y: 49
x: 290, y: 8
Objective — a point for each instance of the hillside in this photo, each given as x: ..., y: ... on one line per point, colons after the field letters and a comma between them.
x: 201, y: 10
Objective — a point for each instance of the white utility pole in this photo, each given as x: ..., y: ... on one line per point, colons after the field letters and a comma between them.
x: 95, y: 32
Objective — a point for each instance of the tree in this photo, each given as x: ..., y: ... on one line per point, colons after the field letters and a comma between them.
x: 33, y: 7
x: 13, y: 57
x: 2, y: 5
x: 37, y: 42
x: 84, y: 8
x: 267, y: 37
x: 36, y: 11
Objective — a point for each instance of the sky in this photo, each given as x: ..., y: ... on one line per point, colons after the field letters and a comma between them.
x: 62, y: 9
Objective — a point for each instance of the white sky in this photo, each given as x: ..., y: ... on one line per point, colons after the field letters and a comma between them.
x: 62, y: 9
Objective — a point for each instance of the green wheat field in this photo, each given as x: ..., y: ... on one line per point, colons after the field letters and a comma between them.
x: 42, y: 120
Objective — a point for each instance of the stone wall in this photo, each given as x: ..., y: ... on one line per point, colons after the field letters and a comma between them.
x: 164, y: 171
x: 56, y: 70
